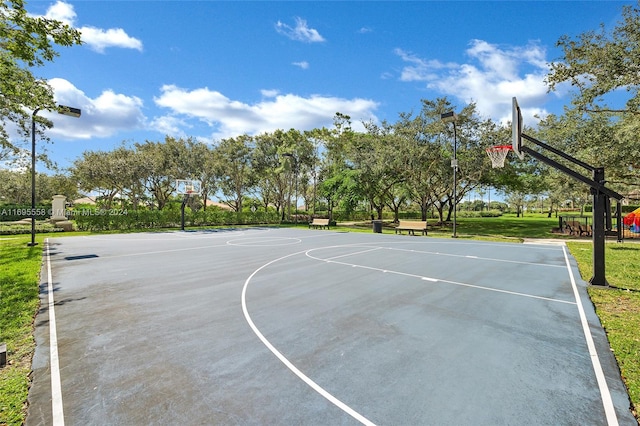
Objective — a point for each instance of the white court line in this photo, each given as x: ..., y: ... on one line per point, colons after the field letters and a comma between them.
x: 354, y: 253
x: 329, y: 397
x: 607, y: 402
x: 431, y: 279
x: 263, y: 241
x: 491, y: 259
x: 56, y: 388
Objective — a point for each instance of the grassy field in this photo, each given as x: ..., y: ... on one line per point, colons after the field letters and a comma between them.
x: 618, y: 307
x: 20, y: 266
x: 504, y: 228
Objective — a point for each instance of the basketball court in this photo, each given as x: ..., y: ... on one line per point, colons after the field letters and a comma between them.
x: 293, y: 326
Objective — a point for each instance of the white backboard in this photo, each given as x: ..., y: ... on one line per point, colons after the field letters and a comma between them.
x: 188, y: 187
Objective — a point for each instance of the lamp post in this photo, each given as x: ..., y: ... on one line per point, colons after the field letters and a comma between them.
x: 451, y: 117
x: 64, y: 110
x: 295, y: 176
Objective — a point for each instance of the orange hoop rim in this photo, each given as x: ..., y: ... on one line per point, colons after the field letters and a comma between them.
x: 499, y: 148
x: 498, y: 154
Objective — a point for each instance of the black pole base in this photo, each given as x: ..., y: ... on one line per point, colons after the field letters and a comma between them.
x: 31, y: 244
x: 598, y: 282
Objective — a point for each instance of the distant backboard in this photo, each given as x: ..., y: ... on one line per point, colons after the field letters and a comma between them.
x: 188, y: 187
x: 516, y: 128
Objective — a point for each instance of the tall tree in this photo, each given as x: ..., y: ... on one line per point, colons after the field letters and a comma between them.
x: 98, y: 171
x: 599, y: 62
x: 15, y: 187
x: 427, y: 163
x: 26, y: 42
x: 272, y: 182
x: 234, y: 157
x: 163, y: 163
x: 204, y: 168
x: 378, y: 166
x: 337, y: 174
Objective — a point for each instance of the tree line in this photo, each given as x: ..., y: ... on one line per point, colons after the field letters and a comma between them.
x: 393, y: 167
x: 389, y: 166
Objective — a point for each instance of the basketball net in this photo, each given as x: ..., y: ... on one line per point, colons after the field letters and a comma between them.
x: 498, y: 154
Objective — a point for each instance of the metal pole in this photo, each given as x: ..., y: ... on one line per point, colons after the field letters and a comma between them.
x: 33, y: 178
x: 315, y: 181
x: 296, y: 180
x: 455, y: 179
x: 184, y: 204
x: 599, y: 214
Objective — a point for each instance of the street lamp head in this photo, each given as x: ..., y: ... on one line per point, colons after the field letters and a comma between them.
x: 70, y: 111
x: 449, y: 117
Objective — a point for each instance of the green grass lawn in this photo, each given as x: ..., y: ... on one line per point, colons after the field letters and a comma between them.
x: 504, y: 228
x: 507, y: 226
x: 618, y: 307
x: 20, y: 266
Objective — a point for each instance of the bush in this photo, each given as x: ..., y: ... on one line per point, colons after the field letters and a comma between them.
x: 484, y: 213
x: 96, y: 219
x: 491, y: 213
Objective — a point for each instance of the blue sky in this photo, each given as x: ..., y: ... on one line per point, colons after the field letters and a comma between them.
x: 216, y: 69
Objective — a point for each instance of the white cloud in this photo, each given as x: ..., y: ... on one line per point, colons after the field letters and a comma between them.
x: 95, y: 38
x: 303, y: 64
x: 269, y: 93
x: 493, y: 75
x: 420, y: 69
x: 99, y: 39
x: 102, y: 116
x: 63, y: 12
x: 170, y: 125
x: 231, y: 118
x: 301, y: 32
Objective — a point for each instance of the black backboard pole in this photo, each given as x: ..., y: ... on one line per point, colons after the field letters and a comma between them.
x: 601, y: 199
x: 184, y: 204
x: 599, y: 230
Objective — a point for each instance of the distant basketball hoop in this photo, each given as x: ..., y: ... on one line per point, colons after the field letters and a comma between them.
x: 498, y: 155
x: 188, y: 187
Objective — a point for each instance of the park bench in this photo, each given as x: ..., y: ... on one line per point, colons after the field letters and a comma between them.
x: 576, y: 228
x: 319, y: 223
x: 411, y: 226
x: 570, y: 227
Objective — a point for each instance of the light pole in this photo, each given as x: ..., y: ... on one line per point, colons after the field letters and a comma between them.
x: 295, y: 176
x: 64, y: 110
x: 451, y: 117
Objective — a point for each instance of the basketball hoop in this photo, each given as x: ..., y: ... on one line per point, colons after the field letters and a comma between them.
x: 498, y: 154
x: 188, y: 187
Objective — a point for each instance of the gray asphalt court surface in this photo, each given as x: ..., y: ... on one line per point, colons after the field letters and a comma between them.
x: 271, y: 326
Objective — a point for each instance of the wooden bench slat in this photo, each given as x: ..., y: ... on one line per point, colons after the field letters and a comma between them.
x: 319, y: 223
x: 411, y: 226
